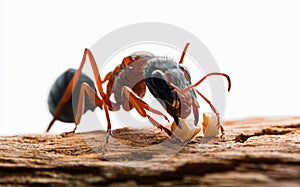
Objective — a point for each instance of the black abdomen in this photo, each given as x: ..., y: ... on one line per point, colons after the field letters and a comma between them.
x: 58, y: 90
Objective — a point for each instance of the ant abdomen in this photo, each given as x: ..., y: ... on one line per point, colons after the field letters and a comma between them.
x: 58, y: 89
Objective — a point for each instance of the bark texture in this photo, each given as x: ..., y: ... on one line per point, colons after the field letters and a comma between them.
x: 255, y: 152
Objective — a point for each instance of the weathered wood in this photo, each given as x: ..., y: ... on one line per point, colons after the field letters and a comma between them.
x: 255, y: 152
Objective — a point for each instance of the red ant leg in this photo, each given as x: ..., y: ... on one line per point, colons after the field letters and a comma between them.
x: 107, y: 77
x: 85, y: 88
x: 207, y: 100
x: 214, y: 110
x: 70, y: 88
x: 141, y: 107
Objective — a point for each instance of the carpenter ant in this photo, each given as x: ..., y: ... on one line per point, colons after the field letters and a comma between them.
x: 167, y: 80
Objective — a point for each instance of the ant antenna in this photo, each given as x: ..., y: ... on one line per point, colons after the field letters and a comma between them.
x: 209, y: 74
x: 183, y: 53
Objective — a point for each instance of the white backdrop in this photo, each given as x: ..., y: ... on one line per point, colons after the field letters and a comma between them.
x: 255, y: 41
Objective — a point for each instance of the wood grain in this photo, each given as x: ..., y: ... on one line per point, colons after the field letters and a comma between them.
x: 256, y: 152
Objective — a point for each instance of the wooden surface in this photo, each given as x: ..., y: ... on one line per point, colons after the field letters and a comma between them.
x: 255, y: 152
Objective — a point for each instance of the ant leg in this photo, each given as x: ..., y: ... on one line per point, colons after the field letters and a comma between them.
x: 100, y: 89
x: 85, y: 88
x: 141, y: 107
x: 107, y: 77
x: 219, y: 125
x: 161, y: 127
x: 139, y: 104
x: 210, y: 104
x: 70, y: 88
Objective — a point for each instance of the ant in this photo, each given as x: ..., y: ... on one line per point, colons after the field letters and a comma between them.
x: 167, y: 80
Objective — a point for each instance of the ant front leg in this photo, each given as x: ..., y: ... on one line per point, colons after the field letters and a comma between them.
x: 207, y: 100
x: 219, y: 125
x: 141, y: 107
